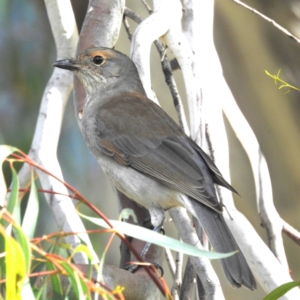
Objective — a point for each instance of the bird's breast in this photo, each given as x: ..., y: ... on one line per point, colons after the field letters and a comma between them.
x: 141, y: 188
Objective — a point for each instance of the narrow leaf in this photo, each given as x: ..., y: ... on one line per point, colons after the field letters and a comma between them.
x: 281, y: 290
x: 5, y: 151
x: 156, y: 238
x: 84, y: 249
x: 13, y: 205
x: 15, y: 268
x: 80, y: 289
x: 55, y: 281
x: 32, y: 210
x: 24, y: 243
x: 11, y: 269
x: 27, y: 292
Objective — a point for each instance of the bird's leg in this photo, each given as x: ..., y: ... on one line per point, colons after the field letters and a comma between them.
x: 133, y: 268
x: 147, y: 245
x: 157, y: 220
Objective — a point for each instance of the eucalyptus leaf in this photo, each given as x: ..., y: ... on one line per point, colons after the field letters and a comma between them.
x: 156, y: 238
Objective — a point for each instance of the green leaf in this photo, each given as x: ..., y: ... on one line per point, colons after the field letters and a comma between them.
x: 5, y: 151
x: 281, y: 290
x: 24, y: 243
x: 156, y: 238
x: 80, y: 289
x: 13, y: 205
x: 32, y: 210
x: 11, y: 270
x: 41, y: 291
x: 84, y: 249
x: 55, y: 281
x: 27, y: 292
x: 15, y: 267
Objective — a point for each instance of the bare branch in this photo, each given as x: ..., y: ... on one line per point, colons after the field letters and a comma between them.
x: 202, y: 266
x: 100, y: 28
x: 188, y: 281
x: 270, y: 218
x: 266, y: 268
x: 147, y: 6
x: 214, y: 100
x: 170, y: 261
x: 139, y: 286
x: 167, y: 69
x: 175, y: 291
x: 139, y: 55
x: 291, y: 232
x: 146, y: 33
x: 44, y: 144
x: 282, y: 29
x: 178, y: 44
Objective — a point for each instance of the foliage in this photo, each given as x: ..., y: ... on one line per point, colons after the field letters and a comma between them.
x: 283, y: 84
x: 27, y: 270
x: 281, y: 290
x: 32, y: 267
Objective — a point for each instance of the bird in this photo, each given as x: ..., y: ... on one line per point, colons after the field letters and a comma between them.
x: 147, y: 155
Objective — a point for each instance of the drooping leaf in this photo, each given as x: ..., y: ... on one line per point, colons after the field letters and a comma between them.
x: 55, y: 280
x: 157, y: 239
x: 24, y: 243
x: 79, y: 287
x: 13, y: 205
x: 15, y: 267
x: 281, y: 290
x: 5, y: 151
x: 32, y: 210
x: 27, y: 292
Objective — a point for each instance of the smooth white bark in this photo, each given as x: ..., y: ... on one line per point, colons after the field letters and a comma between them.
x: 47, y: 131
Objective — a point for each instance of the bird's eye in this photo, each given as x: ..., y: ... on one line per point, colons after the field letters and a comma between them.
x: 98, y: 60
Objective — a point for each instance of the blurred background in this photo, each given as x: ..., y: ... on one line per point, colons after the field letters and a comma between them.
x: 247, y: 46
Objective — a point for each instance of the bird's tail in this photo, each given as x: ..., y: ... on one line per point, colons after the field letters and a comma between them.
x: 235, y: 267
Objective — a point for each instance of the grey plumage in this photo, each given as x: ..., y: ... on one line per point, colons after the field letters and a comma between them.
x: 147, y: 155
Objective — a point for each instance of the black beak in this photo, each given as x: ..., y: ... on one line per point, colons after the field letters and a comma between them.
x: 68, y: 64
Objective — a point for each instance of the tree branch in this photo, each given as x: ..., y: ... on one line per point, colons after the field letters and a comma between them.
x: 45, y: 140
x: 280, y: 28
x: 291, y: 232
x: 150, y: 29
x: 167, y: 69
x: 188, y: 281
x: 214, y: 100
x: 203, y: 267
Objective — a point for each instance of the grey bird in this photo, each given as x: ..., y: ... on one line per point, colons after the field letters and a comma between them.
x: 147, y: 155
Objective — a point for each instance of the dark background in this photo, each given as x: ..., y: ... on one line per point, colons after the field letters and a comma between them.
x: 247, y: 46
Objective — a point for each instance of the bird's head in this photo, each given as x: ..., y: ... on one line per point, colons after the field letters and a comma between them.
x: 102, y: 70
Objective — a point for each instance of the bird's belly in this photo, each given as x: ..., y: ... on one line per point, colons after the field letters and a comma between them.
x: 139, y: 187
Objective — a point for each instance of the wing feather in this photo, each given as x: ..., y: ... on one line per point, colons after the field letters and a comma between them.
x: 152, y: 143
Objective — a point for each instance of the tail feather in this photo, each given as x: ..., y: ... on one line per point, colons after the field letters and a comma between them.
x: 235, y: 267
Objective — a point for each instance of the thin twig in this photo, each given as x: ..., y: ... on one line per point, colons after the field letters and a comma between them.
x: 132, y: 15
x: 282, y: 29
x: 127, y: 28
x: 175, y: 291
x: 291, y: 232
x: 150, y: 10
x: 187, y: 281
x: 170, y: 261
x: 174, y: 64
x: 167, y: 69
